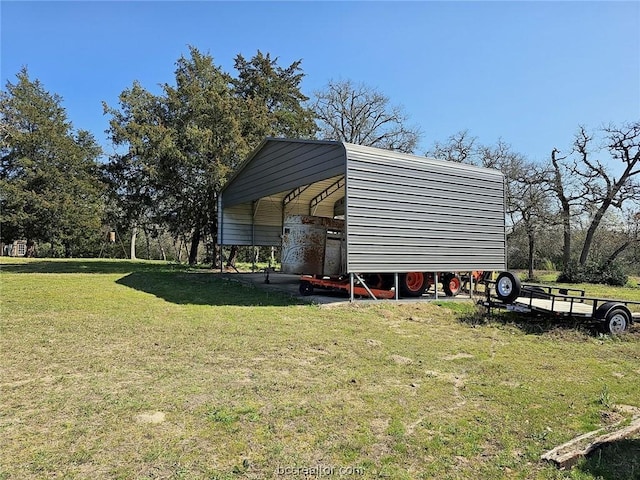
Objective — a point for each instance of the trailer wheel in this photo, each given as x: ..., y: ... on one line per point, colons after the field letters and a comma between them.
x: 616, y: 317
x: 451, y: 284
x: 412, y: 284
x: 507, y: 287
x: 306, y: 288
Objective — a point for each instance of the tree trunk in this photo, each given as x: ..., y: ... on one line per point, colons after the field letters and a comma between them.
x: 617, y: 252
x: 164, y: 255
x: 597, y: 219
x: 565, y: 213
x: 31, y: 249
x: 148, y: 241
x: 233, y: 256
x: 214, y: 241
x: 132, y: 248
x: 195, y: 243
x: 532, y: 249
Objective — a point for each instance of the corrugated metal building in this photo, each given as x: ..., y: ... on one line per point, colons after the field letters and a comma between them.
x: 402, y: 212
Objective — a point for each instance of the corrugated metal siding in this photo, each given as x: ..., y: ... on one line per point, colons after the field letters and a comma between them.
x: 407, y: 213
x: 236, y: 226
x: 282, y: 166
x: 275, y: 169
x: 403, y: 212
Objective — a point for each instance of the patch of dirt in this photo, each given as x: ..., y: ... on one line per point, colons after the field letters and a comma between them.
x: 635, y: 411
x: 457, y: 356
x: 609, y: 418
x: 400, y: 360
x: 150, y: 417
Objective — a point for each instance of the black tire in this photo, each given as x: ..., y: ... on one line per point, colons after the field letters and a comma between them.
x: 616, y: 317
x: 451, y: 284
x: 412, y: 284
x: 380, y: 281
x: 508, y: 287
x: 305, y: 288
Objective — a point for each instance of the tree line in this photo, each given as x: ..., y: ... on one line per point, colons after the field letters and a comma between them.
x: 577, y: 211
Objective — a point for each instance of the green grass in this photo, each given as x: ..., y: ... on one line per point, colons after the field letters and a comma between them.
x: 252, y: 383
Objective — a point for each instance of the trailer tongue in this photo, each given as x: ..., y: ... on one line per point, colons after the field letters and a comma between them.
x: 613, y: 316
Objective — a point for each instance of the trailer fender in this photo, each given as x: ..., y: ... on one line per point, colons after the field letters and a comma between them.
x: 508, y: 287
x: 615, y: 317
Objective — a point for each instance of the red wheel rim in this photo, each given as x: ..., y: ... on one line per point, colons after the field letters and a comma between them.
x: 414, y: 281
x: 454, y: 284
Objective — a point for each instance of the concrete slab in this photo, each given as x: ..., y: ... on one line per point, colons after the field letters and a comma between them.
x: 289, y: 284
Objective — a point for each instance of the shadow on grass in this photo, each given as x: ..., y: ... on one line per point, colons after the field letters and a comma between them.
x: 172, y: 282
x: 529, y: 324
x: 199, y: 288
x: 88, y: 266
x: 618, y: 460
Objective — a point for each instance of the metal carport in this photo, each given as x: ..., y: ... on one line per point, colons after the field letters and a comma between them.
x: 402, y: 212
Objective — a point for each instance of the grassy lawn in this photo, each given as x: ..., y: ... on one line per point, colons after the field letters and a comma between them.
x: 116, y: 369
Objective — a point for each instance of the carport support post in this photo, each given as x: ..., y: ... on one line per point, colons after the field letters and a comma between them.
x: 471, y: 285
x: 351, y: 287
x: 395, y: 282
x: 435, y: 283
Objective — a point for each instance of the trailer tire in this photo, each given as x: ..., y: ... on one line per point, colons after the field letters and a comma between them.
x: 508, y: 287
x: 306, y: 288
x: 615, y: 316
x: 380, y: 281
x: 412, y: 284
x: 451, y: 284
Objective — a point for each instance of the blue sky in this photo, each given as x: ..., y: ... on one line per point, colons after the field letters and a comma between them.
x: 527, y: 72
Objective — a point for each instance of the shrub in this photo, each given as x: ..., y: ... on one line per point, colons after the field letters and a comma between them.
x: 594, y: 272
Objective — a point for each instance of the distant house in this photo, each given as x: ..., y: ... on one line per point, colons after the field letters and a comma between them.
x: 16, y: 249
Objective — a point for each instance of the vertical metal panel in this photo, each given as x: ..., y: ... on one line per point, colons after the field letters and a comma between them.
x: 407, y: 213
x: 236, y: 227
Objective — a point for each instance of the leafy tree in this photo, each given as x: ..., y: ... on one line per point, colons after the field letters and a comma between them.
x: 205, y: 145
x: 272, y: 104
x: 133, y: 195
x: 362, y: 115
x: 181, y: 146
x: 49, y: 178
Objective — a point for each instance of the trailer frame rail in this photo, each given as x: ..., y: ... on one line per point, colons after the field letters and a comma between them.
x: 558, y: 302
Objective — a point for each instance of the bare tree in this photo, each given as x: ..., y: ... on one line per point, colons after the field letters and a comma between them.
x: 362, y: 115
x: 585, y: 185
x: 459, y: 147
x: 630, y: 232
x: 623, y: 145
x: 568, y: 193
